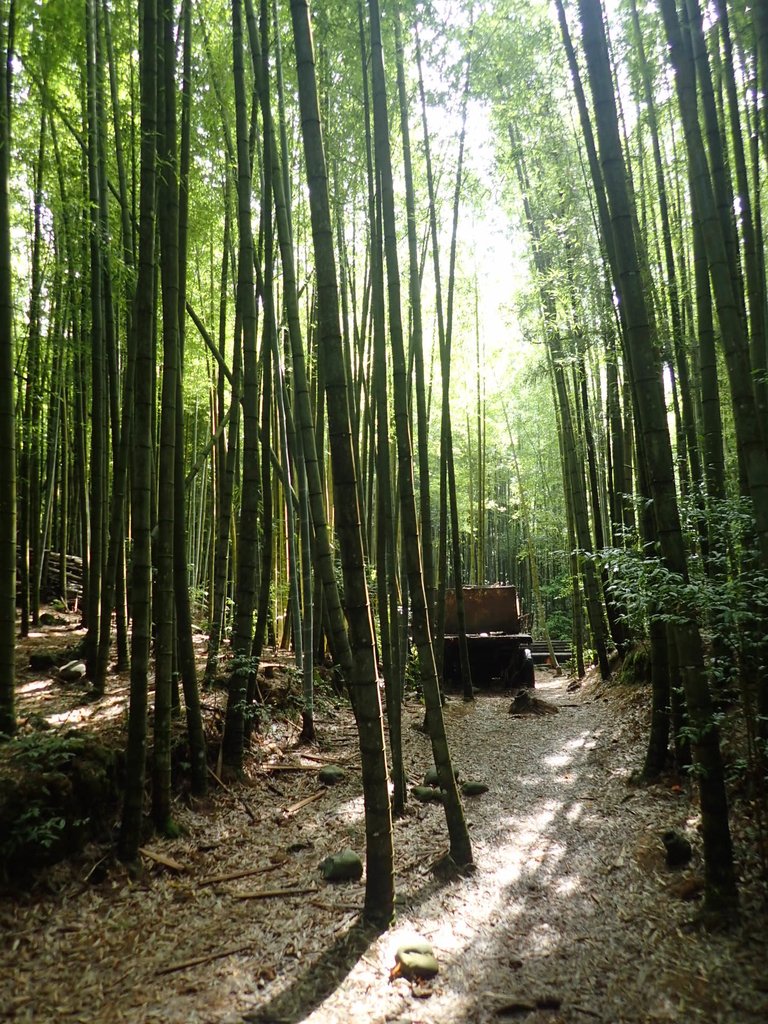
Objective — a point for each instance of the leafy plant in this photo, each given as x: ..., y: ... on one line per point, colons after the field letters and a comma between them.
x: 32, y: 828
x: 727, y: 601
x: 45, y: 752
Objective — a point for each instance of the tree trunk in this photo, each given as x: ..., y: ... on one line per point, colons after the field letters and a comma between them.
x: 30, y: 474
x: 460, y: 846
x: 113, y: 581
x: 7, y: 408
x: 168, y: 198
x: 268, y: 349
x: 573, y: 468
x: 716, y: 229
x: 532, y: 559
x: 242, y: 632
x: 417, y: 332
x: 721, y: 892
x: 756, y: 284
x: 387, y: 584
x: 186, y: 651
x: 446, y: 426
x: 227, y: 463
x: 99, y: 420
x: 379, y: 893
x: 141, y: 475
x: 303, y: 410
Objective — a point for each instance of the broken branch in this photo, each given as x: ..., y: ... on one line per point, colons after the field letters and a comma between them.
x: 303, y: 803
x: 160, y: 858
x: 266, y: 894
x: 232, y: 875
x: 197, y: 960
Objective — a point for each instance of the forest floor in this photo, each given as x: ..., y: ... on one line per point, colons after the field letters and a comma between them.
x: 571, y: 916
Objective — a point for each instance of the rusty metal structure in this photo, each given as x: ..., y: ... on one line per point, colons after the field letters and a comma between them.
x: 499, y: 653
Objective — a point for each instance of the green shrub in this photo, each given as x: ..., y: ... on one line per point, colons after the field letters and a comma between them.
x: 56, y: 791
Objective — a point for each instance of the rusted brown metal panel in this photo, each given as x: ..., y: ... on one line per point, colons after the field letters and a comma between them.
x: 486, y: 609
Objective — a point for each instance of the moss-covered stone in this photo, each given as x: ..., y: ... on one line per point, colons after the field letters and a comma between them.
x: 342, y: 867
x: 416, y: 959
x: 330, y: 774
x: 426, y: 794
x: 470, y: 788
x: 39, y: 661
x: 49, y: 619
x: 431, y: 777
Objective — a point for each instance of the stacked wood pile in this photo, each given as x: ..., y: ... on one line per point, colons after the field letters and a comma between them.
x: 50, y: 586
x: 51, y: 579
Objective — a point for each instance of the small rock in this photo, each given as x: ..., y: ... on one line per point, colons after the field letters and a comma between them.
x: 415, y: 959
x: 72, y: 672
x: 470, y: 788
x: 431, y: 777
x: 342, y: 867
x: 426, y: 794
x: 330, y: 774
x: 678, y: 847
x: 49, y: 619
x: 41, y: 660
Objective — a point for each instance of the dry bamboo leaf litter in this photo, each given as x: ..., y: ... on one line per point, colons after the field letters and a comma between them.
x: 567, y: 900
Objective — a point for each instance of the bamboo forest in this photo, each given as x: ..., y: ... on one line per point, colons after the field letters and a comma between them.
x: 383, y: 511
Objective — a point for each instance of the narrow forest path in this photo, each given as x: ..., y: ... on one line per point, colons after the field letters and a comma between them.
x: 570, y: 916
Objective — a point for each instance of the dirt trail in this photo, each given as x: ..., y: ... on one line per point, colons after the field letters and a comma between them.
x: 570, y: 916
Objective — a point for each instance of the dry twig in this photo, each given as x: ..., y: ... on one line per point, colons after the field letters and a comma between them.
x: 266, y: 894
x: 230, y: 876
x: 195, y: 961
x: 289, y: 811
x: 161, y: 858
